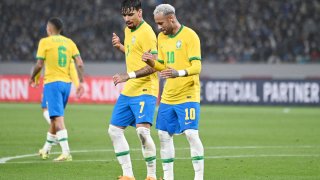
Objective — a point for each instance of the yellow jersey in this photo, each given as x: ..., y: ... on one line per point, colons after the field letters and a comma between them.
x: 57, y: 52
x: 137, y: 42
x: 177, y: 51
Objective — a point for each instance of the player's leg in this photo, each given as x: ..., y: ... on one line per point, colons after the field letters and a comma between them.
x: 189, y: 115
x: 46, y: 116
x: 57, y: 98
x: 121, y: 118
x: 165, y: 118
x: 45, y: 109
x: 50, y: 137
x: 143, y: 108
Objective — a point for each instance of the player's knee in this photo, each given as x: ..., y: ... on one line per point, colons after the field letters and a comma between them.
x: 194, y: 141
x: 143, y: 134
x: 164, y: 136
x: 114, y: 131
x: 191, y: 134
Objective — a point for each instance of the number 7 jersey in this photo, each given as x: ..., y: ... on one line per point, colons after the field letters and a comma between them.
x: 177, y: 51
x: 58, y: 52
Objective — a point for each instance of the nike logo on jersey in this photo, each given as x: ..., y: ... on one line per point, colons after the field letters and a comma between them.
x: 141, y: 116
x: 186, y: 123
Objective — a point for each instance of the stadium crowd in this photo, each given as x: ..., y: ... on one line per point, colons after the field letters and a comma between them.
x: 231, y: 31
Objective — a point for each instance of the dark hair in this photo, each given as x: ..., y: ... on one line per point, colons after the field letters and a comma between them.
x: 130, y: 5
x: 57, y: 22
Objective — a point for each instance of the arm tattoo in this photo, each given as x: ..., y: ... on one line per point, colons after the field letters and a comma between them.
x: 145, y: 71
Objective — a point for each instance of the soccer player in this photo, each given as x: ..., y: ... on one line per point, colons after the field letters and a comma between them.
x: 136, y: 104
x: 179, y: 60
x: 75, y: 81
x: 57, y: 53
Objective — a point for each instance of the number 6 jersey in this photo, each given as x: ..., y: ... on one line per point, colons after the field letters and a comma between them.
x: 58, y: 52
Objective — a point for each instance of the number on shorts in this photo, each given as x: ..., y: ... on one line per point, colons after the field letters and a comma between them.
x: 190, y: 114
x: 141, y: 106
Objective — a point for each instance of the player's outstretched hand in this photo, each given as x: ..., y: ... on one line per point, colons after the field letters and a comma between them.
x: 169, y: 73
x: 80, y: 90
x: 119, y: 78
x: 147, y: 57
x: 116, y: 41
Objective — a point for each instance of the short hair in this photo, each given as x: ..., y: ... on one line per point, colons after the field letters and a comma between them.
x: 166, y: 9
x: 130, y: 5
x: 57, y: 23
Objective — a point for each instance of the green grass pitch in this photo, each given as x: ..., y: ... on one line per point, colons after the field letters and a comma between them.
x: 241, y: 142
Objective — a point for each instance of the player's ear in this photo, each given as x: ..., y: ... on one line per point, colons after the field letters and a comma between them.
x: 171, y: 18
x: 140, y: 13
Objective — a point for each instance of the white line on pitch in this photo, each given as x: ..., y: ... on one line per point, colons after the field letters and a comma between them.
x: 5, y: 159
x: 184, y: 158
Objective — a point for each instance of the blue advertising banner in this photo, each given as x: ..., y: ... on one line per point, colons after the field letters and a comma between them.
x: 260, y: 92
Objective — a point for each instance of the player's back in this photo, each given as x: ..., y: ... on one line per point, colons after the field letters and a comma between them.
x: 57, y: 51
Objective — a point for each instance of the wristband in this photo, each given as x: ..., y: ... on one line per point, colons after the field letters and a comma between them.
x: 182, y: 73
x: 132, y: 75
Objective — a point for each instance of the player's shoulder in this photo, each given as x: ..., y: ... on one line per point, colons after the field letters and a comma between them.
x: 69, y: 40
x: 44, y: 39
x: 187, y: 30
x: 146, y: 28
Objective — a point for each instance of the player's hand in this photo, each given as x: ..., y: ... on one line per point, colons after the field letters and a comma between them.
x: 119, y: 78
x: 116, y: 41
x: 169, y: 73
x: 32, y: 83
x: 80, y: 90
x: 147, y: 57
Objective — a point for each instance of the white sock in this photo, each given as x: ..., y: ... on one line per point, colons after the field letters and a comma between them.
x: 148, y: 150
x: 167, y: 154
x: 46, y: 116
x: 121, y: 148
x: 197, y: 152
x: 48, y: 144
x: 62, y: 136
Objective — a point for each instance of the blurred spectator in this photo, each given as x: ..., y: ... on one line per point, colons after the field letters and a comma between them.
x: 231, y: 31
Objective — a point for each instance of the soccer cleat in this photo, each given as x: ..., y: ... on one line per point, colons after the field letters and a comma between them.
x: 126, y: 178
x: 43, y: 154
x: 63, y: 157
x: 150, y: 178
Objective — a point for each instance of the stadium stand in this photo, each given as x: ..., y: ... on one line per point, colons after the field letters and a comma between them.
x: 231, y: 31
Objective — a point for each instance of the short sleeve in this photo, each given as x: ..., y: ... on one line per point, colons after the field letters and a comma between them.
x: 194, y: 47
x: 161, y: 56
x: 41, y: 53
x: 75, y: 50
x: 150, y: 42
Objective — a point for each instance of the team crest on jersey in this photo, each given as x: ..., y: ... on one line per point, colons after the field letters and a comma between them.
x: 178, y: 44
x: 133, y: 40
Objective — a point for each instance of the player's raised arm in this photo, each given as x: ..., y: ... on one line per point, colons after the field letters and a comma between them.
x: 116, y: 42
x: 123, y: 77
x: 194, y: 69
x: 151, y: 60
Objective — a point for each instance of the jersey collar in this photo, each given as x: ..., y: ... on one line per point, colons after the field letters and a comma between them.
x: 174, y: 35
x: 133, y: 30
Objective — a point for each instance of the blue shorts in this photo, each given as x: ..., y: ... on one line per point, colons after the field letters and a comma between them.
x: 176, y: 118
x: 56, y: 95
x: 129, y: 111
